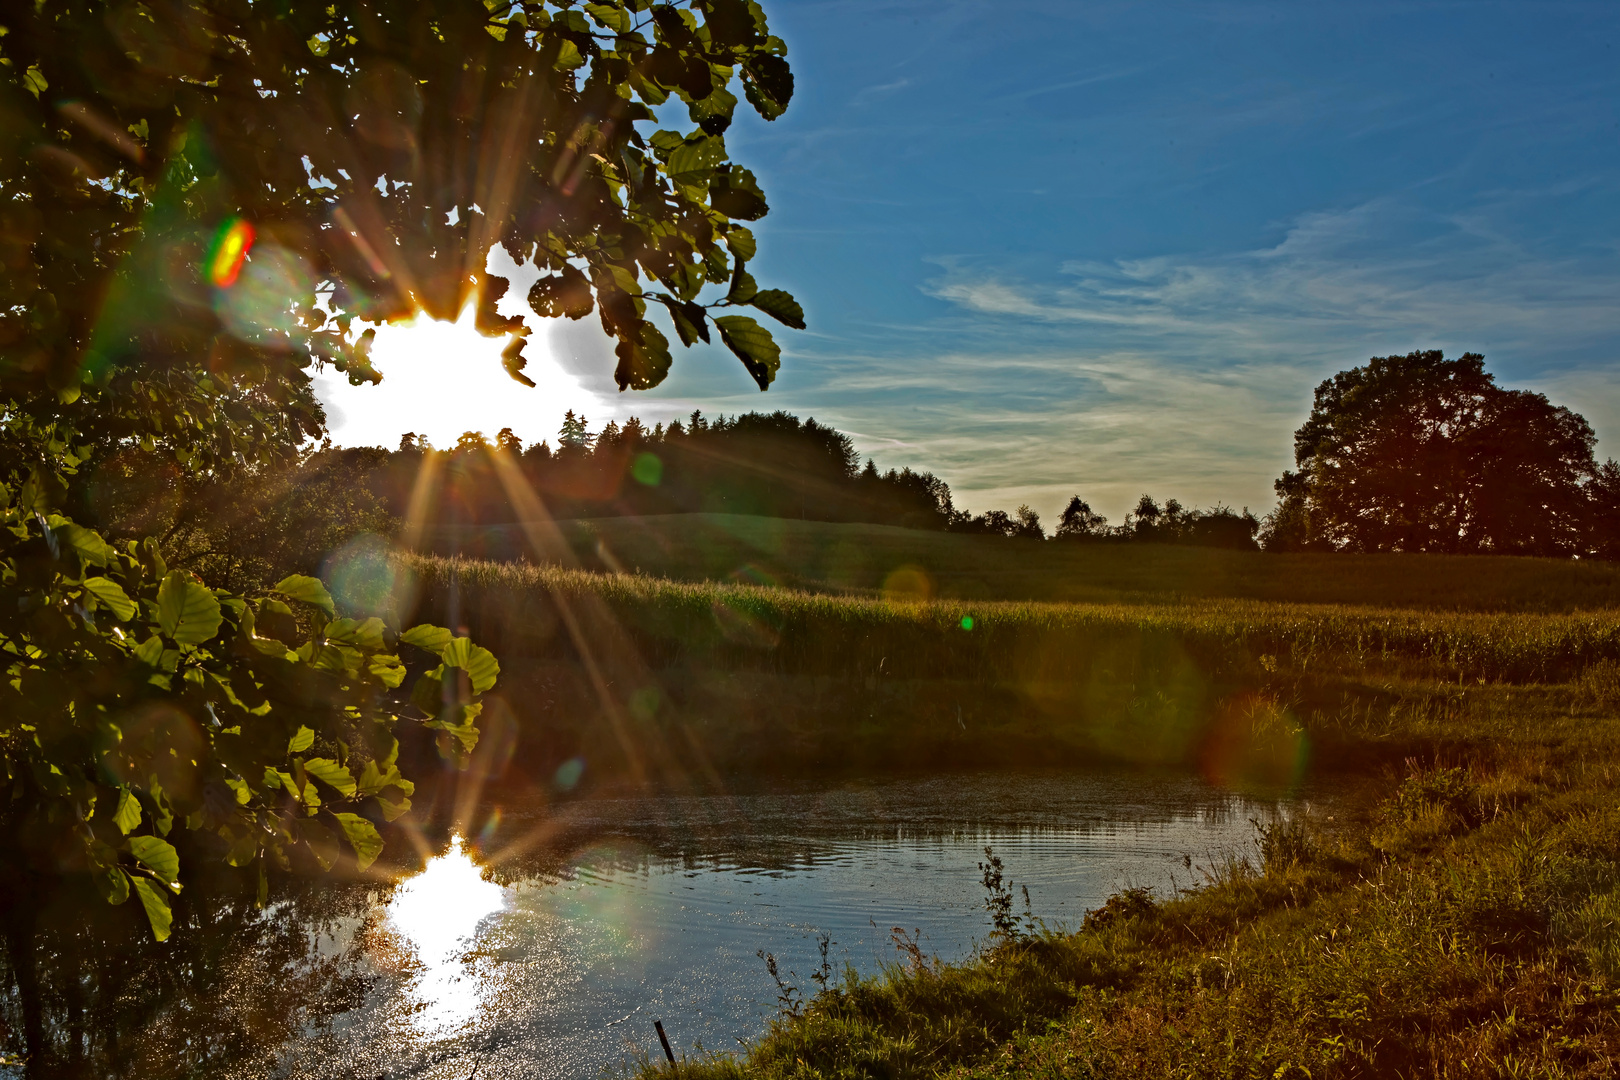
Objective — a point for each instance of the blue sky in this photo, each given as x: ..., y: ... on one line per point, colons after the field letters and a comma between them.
x: 1110, y: 248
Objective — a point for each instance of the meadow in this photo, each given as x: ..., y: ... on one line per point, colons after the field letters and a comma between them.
x: 856, y: 558
x: 1455, y: 915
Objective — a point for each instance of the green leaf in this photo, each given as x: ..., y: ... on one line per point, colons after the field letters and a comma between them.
x: 365, y: 635
x: 696, y: 158
x: 386, y: 669
x: 150, y: 651
x: 90, y: 547
x: 743, y: 286
x: 392, y: 809
x: 428, y: 693
x: 643, y: 360
x: 331, y: 773
x: 478, y: 662
x: 307, y: 589
x: 322, y: 844
x: 431, y: 638
x: 128, y: 814
x: 111, y: 882
x: 568, y: 57
x: 34, y: 80
x: 780, y: 306
x: 187, y: 611
x: 614, y: 18
x: 157, y: 907
x: 159, y: 857
x: 112, y: 595
x: 741, y: 242
x: 243, y: 850
x: 768, y: 84
x: 363, y: 838
x: 42, y: 491
x: 753, y: 345
x: 735, y: 193
x: 301, y: 741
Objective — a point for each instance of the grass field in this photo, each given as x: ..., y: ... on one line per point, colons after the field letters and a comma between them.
x: 652, y: 679
x: 824, y: 556
x: 1458, y: 917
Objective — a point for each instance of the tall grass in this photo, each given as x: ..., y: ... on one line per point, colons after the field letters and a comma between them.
x: 799, y: 632
x: 825, y: 556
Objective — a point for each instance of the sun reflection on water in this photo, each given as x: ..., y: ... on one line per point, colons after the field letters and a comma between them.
x: 438, y: 913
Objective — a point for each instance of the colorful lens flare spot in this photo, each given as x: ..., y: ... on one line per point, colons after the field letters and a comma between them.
x: 230, y: 250
x: 487, y: 834
x: 568, y: 774
x: 647, y: 469
x: 967, y: 622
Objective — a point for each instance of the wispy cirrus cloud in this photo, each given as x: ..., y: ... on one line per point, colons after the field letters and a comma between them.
x: 1336, y: 283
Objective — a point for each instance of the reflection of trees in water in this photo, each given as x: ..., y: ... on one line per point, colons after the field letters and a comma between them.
x: 89, y: 993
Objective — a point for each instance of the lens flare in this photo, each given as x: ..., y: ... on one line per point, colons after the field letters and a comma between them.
x: 366, y: 579
x: 230, y: 251
x: 647, y: 469
x: 1255, y: 745
x: 568, y: 774
x: 491, y: 827
x: 908, y: 583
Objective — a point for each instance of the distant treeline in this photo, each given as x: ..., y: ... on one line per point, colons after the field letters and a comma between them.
x: 1405, y: 453
x: 764, y: 464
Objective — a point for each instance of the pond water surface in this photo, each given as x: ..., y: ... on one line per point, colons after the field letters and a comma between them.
x: 604, y: 915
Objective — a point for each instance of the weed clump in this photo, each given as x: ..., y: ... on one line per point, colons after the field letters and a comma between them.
x: 1599, y: 685
x: 1132, y: 903
x: 1283, y: 845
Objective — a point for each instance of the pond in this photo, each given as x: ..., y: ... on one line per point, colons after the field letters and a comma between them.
x: 549, y: 943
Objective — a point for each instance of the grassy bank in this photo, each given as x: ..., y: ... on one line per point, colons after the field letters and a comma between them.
x: 830, y: 557
x: 1463, y: 925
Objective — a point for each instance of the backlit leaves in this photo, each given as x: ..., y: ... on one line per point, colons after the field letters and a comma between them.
x: 478, y: 662
x: 431, y: 638
x: 644, y: 360
x: 128, y: 815
x: 780, y: 306
x: 753, y: 345
x: 158, y: 856
x: 332, y: 774
x: 308, y: 589
x: 187, y: 612
x: 156, y: 906
x: 362, y: 836
x: 112, y: 596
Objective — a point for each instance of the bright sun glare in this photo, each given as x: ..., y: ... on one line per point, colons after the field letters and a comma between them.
x: 437, y: 913
x: 441, y: 379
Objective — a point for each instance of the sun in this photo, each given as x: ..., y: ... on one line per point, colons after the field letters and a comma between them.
x: 443, y: 378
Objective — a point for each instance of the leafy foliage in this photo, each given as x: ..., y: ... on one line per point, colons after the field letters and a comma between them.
x: 137, y: 698
x: 1421, y: 453
x: 371, y: 158
x: 198, y: 199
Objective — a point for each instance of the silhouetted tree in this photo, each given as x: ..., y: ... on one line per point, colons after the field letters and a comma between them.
x: 1420, y: 453
x: 574, y: 434
x: 1028, y: 525
x: 1080, y: 522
